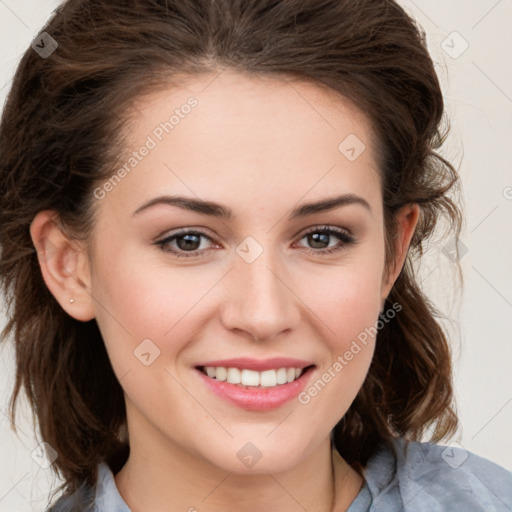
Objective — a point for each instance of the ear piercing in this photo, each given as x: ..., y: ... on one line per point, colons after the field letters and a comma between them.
x: 71, y: 300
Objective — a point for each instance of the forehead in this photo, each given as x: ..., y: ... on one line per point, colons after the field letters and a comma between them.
x: 228, y: 134
x: 234, y: 104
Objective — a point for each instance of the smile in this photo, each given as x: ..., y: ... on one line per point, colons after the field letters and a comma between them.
x: 264, y: 391
x: 253, y: 378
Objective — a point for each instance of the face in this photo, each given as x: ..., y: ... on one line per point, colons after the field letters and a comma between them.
x: 175, y: 287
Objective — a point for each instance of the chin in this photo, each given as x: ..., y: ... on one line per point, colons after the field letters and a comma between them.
x: 256, y: 457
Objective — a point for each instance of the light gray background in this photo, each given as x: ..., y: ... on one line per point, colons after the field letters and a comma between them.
x: 478, y: 89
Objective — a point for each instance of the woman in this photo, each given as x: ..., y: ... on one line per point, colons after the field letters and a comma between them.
x: 208, y: 221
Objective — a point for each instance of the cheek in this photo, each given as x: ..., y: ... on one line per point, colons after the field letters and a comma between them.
x: 351, y: 317
x: 137, y: 302
x: 348, y: 307
x: 347, y: 299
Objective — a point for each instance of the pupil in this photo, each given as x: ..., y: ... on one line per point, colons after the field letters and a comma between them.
x: 319, y: 238
x: 188, y: 239
x: 191, y: 241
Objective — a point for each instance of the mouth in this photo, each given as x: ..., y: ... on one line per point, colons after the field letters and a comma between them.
x: 254, y: 390
x: 253, y: 379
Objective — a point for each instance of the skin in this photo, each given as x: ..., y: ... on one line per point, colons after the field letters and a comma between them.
x: 260, y: 146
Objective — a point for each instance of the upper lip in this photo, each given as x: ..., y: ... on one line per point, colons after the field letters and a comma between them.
x: 258, y: 364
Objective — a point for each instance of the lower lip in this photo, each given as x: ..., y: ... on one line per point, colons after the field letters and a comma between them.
x: 257, y: 399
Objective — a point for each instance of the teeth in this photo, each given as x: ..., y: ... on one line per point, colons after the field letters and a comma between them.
x: 234, y: 376
x: 220, y: 373
x: 250, y: 378
x: 267, y: 378
x: 281, y: 376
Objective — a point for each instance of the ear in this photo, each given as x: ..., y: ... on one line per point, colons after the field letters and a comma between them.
x: 406, y: 220
x: 64, y: 265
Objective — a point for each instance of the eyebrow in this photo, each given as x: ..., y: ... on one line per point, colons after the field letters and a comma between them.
x: 223, y: 212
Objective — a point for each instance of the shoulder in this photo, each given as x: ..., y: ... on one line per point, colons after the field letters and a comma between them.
x: 429, y: 477
x: 100, y: 498
x: 80, y: 500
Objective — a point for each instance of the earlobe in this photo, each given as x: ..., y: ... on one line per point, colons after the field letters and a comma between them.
x: 64, y: 265
x: 406, y: 220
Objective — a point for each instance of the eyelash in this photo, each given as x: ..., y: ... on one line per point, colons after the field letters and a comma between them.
x: 343, y: 236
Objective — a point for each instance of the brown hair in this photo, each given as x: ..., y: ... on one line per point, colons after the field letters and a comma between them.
x: 62, y: 130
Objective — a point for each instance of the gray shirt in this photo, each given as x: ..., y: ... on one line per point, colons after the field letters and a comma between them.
x: 422, y: 478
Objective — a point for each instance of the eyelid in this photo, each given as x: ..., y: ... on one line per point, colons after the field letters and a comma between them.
x: 168, y: 233
x: 172, y: 235
x: 324, y: 227
x: 345, y: 238
x: 203, y: 232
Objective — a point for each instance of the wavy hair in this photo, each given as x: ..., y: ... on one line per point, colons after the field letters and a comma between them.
x: 62, y: 130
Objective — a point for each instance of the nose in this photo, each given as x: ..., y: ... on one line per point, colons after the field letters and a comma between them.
x: 261, y: 301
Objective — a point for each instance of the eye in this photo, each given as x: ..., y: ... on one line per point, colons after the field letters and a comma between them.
x: 183, y: 242
x: 188, y: 243
x: 319, y: 238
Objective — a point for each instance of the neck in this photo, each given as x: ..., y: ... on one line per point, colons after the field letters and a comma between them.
x: 159, y: 475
